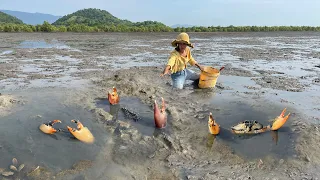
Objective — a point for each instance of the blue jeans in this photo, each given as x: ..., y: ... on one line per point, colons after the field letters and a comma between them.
x: 179, y: 78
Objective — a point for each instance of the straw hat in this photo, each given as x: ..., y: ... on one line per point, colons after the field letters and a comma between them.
x: 182, y: 38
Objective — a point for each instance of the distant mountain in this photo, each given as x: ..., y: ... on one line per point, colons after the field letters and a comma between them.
x: 6, y: 18
x: 32, y: 18
x: 90, y: 17
x: 182, y: 25
x: 94, y: 17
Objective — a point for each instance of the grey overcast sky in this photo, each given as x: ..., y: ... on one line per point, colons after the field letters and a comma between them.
x: 191, y: 12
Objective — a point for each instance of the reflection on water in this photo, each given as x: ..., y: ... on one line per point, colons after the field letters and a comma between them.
x: 114, y: 111
x: 211, y: 139
x: 275, y: 136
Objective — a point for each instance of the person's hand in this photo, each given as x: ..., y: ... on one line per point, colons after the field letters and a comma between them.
x: 200, y: 67
x: 164, y: 73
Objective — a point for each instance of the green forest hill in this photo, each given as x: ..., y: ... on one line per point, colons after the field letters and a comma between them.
x: 96, y: 20
x: 6, y: 18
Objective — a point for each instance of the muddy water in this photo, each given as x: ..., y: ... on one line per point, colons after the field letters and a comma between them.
x: 21, y: 137
x: 229, y: 110
x: 254, y: 146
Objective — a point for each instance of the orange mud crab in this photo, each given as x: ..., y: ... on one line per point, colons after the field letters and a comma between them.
x: 160, y: 115
x: 113, y: 96
x: 214, y: 128
x: 81, y: 133
x: 48, y: 127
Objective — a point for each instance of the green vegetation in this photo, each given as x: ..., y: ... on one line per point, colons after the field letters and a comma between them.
x: 90, y: 17
x: 246, y: 29
x: 6, y: 18
x: 47, y: 27
x: 96, y: 20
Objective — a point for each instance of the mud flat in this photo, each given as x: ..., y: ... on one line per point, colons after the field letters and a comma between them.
x: 67, y: 76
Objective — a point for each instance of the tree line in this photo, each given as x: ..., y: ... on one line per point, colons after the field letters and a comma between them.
x: 47, y: 27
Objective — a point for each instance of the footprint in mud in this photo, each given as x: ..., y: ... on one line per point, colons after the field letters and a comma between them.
x: 132, y: 110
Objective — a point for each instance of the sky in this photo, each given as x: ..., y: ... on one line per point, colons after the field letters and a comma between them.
x: 187, y: 12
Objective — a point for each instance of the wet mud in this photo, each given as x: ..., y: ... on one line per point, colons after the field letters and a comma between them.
x: 46, y: 76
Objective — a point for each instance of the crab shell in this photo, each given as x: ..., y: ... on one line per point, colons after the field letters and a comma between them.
x: 83, y: 134
x: 264, y: 129
x: 239, y: 127
x: 49, y: 129
x: 214, y: 128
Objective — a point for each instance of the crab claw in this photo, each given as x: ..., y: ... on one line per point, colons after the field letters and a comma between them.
x: 79, y: 124
x: 160, y: 116
x: 280, y: 120
x: 81, y: 133
x: 47, y: 127
x: 214, y: 128
x: 113, y: 97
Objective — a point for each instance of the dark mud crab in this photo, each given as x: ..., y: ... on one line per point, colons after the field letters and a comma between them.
x: 249, y: 127
x: 254, y: 127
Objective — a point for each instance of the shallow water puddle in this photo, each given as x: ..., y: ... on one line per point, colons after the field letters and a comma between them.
x: 6, y: 52
x: 238, y: 83
x: 277, y: 143
x: 21, y: 137
x: 301, y: 100
x: 140, y: 115
x: 305, y: 67
x: 33, y: 44
x: 42, y: 44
